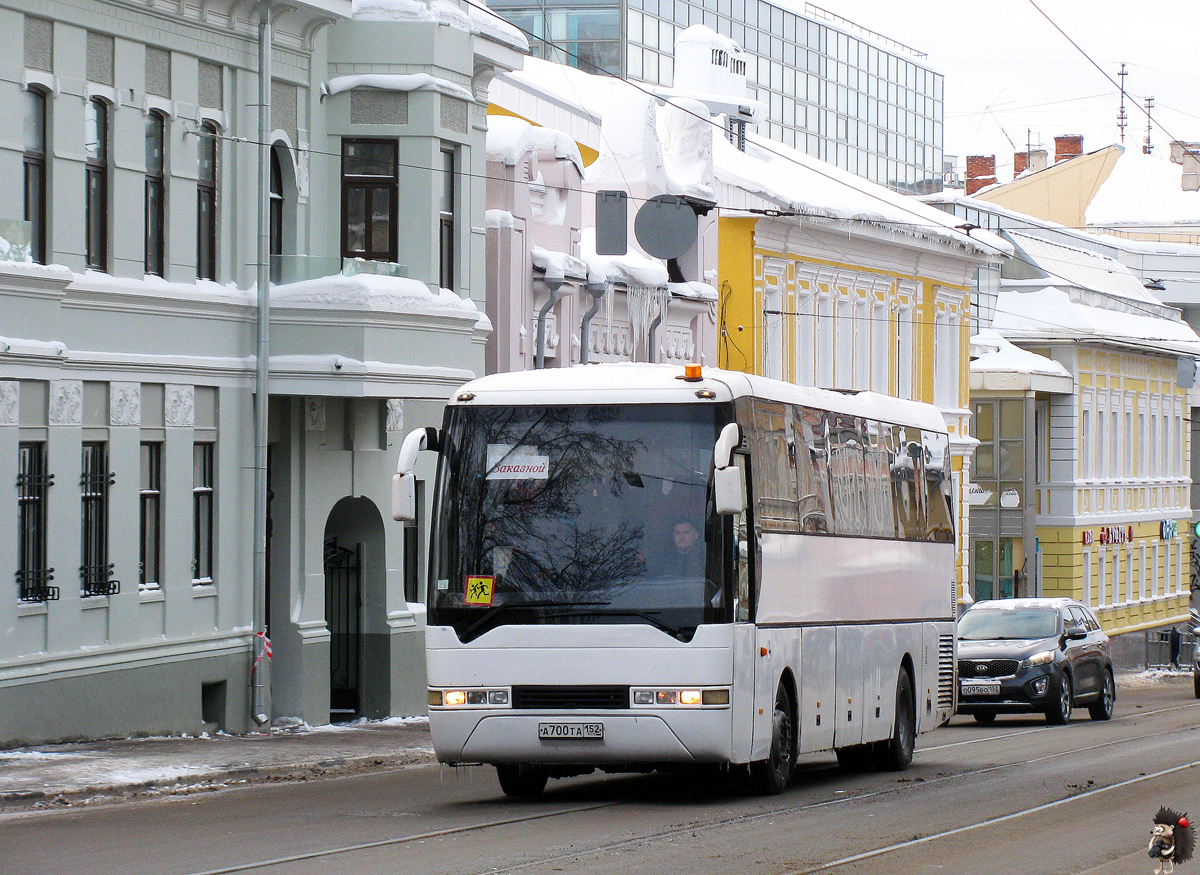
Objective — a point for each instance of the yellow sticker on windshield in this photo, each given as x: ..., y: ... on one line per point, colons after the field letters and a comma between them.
x: 479, y: 590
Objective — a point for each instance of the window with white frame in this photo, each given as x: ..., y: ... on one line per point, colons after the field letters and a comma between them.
x: 825, y: 339
x: 1085, y: 445
x: 1087, y: 579
x: 880, y: 370
x: 773, y: 322
x: 805, y: 336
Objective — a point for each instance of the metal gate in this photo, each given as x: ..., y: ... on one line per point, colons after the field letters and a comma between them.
x: 343, y: 615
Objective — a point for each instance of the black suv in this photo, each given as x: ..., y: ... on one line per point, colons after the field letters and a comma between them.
x: 1026, y: 655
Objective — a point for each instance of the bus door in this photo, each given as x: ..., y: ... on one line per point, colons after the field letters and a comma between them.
x: 848, y: 682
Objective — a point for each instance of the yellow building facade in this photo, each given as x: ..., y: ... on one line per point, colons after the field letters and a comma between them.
x: 1127, y: 551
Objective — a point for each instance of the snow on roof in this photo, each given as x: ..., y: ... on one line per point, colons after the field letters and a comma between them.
x: 1050, y: 312
x: 397, y: 82
x: 694, y: 290
x: 1000, y: 355
x: 558, y: 264
x: 474, y: 19
x: 808, y: 186
x: 509, y: 138
x: 632, y: 268
x: 787, y: 179
x: 374, y: 292
x: 1089, y: 270
x: 1145, y: 189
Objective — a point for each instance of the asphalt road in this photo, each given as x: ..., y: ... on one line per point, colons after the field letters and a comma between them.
x: 1017, y: 797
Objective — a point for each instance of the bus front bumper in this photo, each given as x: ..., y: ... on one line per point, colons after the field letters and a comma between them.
x: 591, y: 739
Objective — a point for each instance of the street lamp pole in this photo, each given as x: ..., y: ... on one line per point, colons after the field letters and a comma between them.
x: 260, y: 672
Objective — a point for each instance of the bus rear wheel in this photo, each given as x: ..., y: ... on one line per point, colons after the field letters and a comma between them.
x: 769, y: 777
x: 521, y: 780
x: 895, y: 755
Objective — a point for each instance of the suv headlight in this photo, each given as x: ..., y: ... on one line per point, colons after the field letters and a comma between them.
x: 1044, y: 658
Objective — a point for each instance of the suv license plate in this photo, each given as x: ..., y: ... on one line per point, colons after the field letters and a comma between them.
x: 570, y: 730
x: 980, y: 688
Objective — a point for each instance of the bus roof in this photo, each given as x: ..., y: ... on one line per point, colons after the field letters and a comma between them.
x: 632, y: 383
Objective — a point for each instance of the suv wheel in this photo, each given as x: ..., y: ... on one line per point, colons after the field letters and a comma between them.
x: 1060, y: 712
x: 1102, y: 708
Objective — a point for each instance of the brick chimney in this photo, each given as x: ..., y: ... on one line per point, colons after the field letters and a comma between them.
x: 981, y: 172
x: 1067, y: 147
x: 1022, y: 161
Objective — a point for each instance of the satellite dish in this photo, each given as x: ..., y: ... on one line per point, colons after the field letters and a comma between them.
x: 665, y: 226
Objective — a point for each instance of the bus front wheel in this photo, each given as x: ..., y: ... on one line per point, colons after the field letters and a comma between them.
x: 521, y: 780
x: 769, y: 777
x: 896, y: 754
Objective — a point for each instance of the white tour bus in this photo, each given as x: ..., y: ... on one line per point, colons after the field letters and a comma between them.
x: 571, y: 628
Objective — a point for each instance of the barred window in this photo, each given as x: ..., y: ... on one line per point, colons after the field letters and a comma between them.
x: 33, y: 483
x: 95, y: 573
x: 202, y: 513
x: 150, y: 501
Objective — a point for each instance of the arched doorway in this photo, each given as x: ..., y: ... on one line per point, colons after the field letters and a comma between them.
x: 355, y: 603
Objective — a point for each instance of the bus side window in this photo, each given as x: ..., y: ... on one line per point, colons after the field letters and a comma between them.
x: 772, y: 444
x: 812, y: 480
x: 939, y: 522
x: 908, y: 484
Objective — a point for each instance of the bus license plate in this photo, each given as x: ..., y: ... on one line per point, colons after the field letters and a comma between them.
x: 570, y: 730
x: 981, y: 688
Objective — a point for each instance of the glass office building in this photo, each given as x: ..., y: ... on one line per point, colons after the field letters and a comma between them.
x: 835, y: 90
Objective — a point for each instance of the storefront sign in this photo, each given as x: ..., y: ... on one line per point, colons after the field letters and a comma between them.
x: 1108, y: 535
x: 1168, y: 529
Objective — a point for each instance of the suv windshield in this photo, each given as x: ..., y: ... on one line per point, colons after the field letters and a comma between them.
x: 578, y: 514
x: 1019, y: 623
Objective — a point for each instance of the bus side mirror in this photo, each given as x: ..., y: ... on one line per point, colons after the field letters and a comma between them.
x: 727, y: 477
x: 727, y: 490
x: 404, y: 482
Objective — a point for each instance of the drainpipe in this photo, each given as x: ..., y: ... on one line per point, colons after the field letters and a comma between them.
x: 596, y: 290
x: 260, y: 671
x: 554, y: 283
x: 653, y: 328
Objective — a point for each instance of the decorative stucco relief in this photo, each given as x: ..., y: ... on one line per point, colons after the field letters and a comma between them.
x: 10, y: 402
x: 395, y: 414
x: 181, y: 406
x: 66, y: 402
x: 125, y: 404
x: 314, y: 414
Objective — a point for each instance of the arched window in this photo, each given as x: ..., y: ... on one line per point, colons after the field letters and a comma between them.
x: 35, y: 172
x: 206, y: 203
x: 276, y: 244
x: 156, y: 193
x: 96, y: 152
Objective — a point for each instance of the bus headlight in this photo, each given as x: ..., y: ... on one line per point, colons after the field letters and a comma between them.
x: 478, y: 698
x: 682, y: 698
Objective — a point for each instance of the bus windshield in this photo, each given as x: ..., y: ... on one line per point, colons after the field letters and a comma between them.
x: 578, y: 514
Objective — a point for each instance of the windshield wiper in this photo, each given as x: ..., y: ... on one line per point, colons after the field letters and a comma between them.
x: 497, y: 610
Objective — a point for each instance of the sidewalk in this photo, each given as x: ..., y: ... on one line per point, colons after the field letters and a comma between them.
x: 90, y: 773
